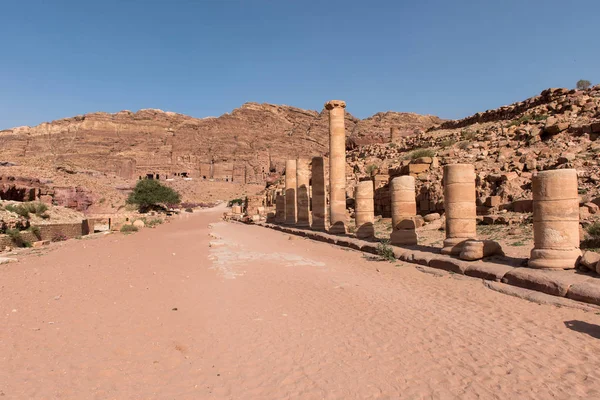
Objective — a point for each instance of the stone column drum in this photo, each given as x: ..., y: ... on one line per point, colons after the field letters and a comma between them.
x: 365, y: 210
x: 337, y: 166
x: 404, y: 209
x: 459, y: 202
x: 280, y: 209
x: 319, y: 195
x: 290, y: 192
x: 303, y: 192
x: 555, y: 220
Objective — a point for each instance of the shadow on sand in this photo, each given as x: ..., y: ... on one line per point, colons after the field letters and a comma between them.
x: 584, y: 327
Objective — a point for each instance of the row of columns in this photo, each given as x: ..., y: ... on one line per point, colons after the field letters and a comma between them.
x: 555, y: 203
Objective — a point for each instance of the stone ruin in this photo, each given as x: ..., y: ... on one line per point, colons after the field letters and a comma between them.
x: 555, y: 205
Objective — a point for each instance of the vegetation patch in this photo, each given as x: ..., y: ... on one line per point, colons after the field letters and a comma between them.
x: 422, y: 153
x: 239, y: 202
x: 150, y: 194
x: 385, y: 251
x: 25, y: 209
x: 17, y: 238
x: 129, y: 229
x: 371, y: 169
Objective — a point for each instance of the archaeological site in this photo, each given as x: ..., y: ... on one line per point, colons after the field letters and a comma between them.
x: 312, y: 201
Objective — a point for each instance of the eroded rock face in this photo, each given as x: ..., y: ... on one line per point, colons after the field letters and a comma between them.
x: 18, y: 188
x: 243, y: 146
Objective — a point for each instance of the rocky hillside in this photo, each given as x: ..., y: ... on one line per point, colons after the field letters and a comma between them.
x: 243, y: 146
x: 557, y: 129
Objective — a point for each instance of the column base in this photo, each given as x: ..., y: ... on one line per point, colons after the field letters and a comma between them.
x: 338, y: 228
x: 453, y: 246
x: 404, y: 237
x: 554, y: 258
x: 365, y: 231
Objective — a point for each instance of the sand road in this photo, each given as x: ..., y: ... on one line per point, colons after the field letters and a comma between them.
x: 161, y: 315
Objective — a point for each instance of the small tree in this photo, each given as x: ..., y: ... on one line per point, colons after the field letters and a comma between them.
x: 149, y: 193
x: 583, y: 84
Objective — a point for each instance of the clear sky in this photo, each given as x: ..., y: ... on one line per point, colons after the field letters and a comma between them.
x: 449, y: 58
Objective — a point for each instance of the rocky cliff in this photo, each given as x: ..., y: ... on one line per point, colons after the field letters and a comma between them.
x: 243, y: 146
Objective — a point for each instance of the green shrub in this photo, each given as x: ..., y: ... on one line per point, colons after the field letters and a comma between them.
x: 235, y: 201
x: 463, y: 145
x: 149, y: 193
x: 594, y: 229
x: 467, y: 135
x: 583, y: 84
x: 153, y: 222
x: 129, y: 228
x: 447, y: 143
x: 385, y: 251
x: 422, y: 153
x: 371, y: 169
x: 24, y: 209
x: 17, y: 238
x: 36, y: 231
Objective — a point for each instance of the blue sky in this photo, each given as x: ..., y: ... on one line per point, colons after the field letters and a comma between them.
x: 204, y: 58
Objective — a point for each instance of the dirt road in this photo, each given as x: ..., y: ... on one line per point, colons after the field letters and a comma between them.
x: 260, y: 315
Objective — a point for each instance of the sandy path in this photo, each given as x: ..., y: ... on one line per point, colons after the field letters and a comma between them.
x: 265, y: 317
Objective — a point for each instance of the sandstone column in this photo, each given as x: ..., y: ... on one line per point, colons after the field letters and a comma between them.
x: 364, y: 210
x: 459, y: 202
x: 302, y: 192
x: 404, y: 211
x: 290, y: 192
x: 555, y: 219
x: 337, y: 166
x: 279, y: 208
x: 319, y: 195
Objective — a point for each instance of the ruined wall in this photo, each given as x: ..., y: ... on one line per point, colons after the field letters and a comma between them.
x: 63, y: 231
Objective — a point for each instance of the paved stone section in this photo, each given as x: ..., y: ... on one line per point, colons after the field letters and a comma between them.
x: 572, y: 284
x: 290, y: 192
x: 459, y: 203
x: 303, y: 192
x: 319, y: 195
x: 337, y: 166
x: 555, y: 220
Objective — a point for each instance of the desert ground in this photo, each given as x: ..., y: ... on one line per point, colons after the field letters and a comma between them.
x: 251, y: 313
